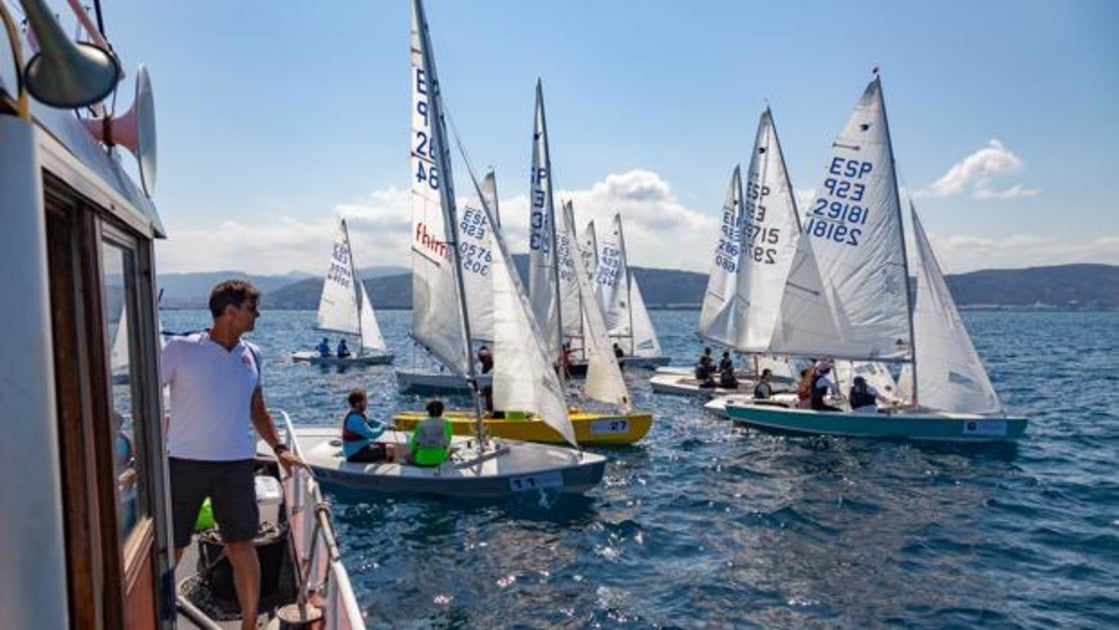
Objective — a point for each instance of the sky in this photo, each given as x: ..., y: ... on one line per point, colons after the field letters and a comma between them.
x: 277, y: 118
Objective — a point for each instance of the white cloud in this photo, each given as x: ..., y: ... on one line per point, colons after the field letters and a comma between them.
x: 975, y: 173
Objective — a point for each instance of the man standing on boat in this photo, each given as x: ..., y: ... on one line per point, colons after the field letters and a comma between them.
x: 216, y: 402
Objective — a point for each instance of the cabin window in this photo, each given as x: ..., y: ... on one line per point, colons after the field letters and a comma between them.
x: 122, y: 338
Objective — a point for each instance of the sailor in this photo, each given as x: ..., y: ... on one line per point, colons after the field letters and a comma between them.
x: 343, y: 351
x: 822, y: 385
x: 727, y: 379
x: 864, y: 397
x: 359, y: 432
x: 764, y: 389
x: 618, y: 354
x: 324, y: 348
x: 485, y: 357
x: 431, y: 441
x: 705, y: 367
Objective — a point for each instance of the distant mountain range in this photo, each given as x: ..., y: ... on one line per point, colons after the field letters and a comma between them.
x: 1081, y: 286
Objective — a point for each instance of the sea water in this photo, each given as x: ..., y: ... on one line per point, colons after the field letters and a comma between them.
x: 703, y: 523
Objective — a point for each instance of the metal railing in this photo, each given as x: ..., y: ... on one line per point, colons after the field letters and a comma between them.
x: 322, y: 577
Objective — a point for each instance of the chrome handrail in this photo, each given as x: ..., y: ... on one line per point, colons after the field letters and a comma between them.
x: 328, y: 580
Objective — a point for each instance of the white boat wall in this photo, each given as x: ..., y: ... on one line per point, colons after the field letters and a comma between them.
x: 950, y: 376
x: 858, y: 308
x: 716, y: 321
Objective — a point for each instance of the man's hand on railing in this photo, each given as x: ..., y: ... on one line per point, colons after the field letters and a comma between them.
x: 288, y: 459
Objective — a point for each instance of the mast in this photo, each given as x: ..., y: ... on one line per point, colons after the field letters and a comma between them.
x: 901, y: 228
x: 447, y: 202
x: 629, y: 286
x: 551, y: 210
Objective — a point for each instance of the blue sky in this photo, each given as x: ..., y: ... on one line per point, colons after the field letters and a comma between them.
x: 276, y: 118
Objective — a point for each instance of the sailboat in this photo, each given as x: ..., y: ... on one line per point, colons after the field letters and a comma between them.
x: 562, y: 303
x: 341, y: 311
x: 757, y: 243
x: 854, y: 302
x: 475, y: 258
x: 620, y: 296
x: 479, y: 466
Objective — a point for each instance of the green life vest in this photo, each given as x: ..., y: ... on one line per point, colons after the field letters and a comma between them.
x: 431, y: 441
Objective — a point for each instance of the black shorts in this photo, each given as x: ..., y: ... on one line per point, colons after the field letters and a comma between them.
x: 370, y: 453
x: 232, y: 492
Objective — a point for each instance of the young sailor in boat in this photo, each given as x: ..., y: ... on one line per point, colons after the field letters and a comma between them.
x: 727, y: 379
x: 764, y: 389
x: 324, y: 348
x: 822, y: 385
x: 343, y: 349
x: 705, y: 367
x: 485, y: 357
x: 864, y: 397
x: 431, y: 441
x: 216, y: 402
x: 618, y: 354
x: 359, y: 433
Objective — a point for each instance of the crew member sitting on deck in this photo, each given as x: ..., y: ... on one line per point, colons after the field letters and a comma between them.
x: 324, y: 348
x: 822, y: 385
x: 343, y: 351
x: 705, y: 367
x: 359, y: 432
x: 727, y: 379
x: 431, y: 441
x: 864, y: 397
x: 764, y: 389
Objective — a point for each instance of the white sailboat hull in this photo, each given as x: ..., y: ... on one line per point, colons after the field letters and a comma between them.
x: 505, y: 469
x: 718, y: 405
x: 688, y: 385
x: 363, y: 359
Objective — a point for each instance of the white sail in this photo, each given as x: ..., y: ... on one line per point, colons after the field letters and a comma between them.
x: 604, y: 380
x: 543, y: 277
x: 612, y: 280
x: 716, y: 319
x: 437, y: 321
x: 475, y: 253
x: 371, y: 338
x: 950, y: 376
x: 876, y: 375
x: 860, y: 310
x: 338, y: 307
x: 570, y: 301
x: 588, y: 249
x: 645, y: 342
x: 523, y: 375
x: 118, y: 358
x: 770, y: 230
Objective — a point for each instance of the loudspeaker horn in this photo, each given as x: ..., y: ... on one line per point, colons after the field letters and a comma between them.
x: 133, y: 130
x: 65, y: 74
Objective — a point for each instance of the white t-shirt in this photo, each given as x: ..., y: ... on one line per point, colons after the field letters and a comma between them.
x: 211, y: 398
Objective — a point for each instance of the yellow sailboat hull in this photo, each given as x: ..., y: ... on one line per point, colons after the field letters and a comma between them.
x: 591, y: 429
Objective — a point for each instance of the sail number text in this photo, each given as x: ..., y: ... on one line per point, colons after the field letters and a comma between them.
x: 539, y: 226
x: 838, y: 214
x: 759, y: 243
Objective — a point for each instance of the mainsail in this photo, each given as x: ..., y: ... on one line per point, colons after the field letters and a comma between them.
x: 716, y: 323
x: 570, y: 301
x: 854, y: 226
x: 612, y: 280
x: 338, y: 306
x: 437, y: 320
x: 950, y: 376
x: 770, y: 228
x: 543, y: 274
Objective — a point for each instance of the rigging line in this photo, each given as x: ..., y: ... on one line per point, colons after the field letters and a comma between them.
x: 100, y: 20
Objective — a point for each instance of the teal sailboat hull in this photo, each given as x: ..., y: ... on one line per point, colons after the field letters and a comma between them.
x: 910, y: 425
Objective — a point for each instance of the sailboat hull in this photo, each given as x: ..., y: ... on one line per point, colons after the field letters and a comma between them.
x: 504, y: 470
x: 918, y: 425
x: 421, y: 383
x: 591, y: 429
x: 365, y: 359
